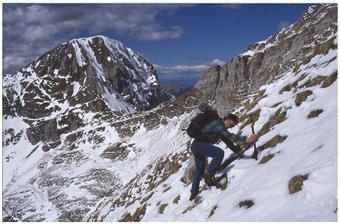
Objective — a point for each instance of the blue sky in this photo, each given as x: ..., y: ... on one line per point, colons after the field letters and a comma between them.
x: 182, y: 40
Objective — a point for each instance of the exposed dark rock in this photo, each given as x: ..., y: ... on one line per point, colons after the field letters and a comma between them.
x: 329, y: 80
x: 250, y: 118
x: 11, y: 137
x: 9, y: 218
x: 175, y: 201
x: 161, y: 208
x: 296, y: 183
x: 166, y: 189
x: 276, y: 104
x: 301, y: 97
x: 69, y: 158
x: 278, y: 117
x: 164, y: 121
x: 266, y: 158
x: 45, y: 131
x: 146, y: 198
x: 315, y: 113
x: 136, y: 216
x: 272, y: 142
x: 18, y: 205
x: 246, y: 203
x: 73, y: 216
x: 50, y: 145
x: 212, y: 212
x: 118, y: 151
x: 49, y: 181
x: 313, y: 82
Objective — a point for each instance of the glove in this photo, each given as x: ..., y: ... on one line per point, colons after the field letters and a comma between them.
x: 251, y: 139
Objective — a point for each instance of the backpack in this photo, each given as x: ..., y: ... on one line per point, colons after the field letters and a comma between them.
x: 202, y: 119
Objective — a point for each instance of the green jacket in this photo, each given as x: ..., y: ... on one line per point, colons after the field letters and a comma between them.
x: 215, y: 130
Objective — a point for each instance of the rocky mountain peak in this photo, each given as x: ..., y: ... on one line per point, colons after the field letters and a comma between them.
x: 96, y: 71
x: 81, y: 76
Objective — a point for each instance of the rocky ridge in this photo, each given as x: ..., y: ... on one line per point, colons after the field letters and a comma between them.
x: 314, y: 33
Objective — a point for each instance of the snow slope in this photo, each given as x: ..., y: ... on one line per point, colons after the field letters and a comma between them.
x: 309, y: 149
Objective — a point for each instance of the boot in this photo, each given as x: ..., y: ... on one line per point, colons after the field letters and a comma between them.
x: 193, y: 196
x: 209, y: 179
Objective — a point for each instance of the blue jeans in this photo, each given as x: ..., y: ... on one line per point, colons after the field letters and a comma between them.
x: 201, y: 150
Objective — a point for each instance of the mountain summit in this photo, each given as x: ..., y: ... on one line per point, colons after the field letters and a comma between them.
x: 97, y: 72
x: 95, y: 75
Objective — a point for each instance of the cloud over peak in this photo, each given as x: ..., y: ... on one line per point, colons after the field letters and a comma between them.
x: 188, y: 68
x: 40, y: 27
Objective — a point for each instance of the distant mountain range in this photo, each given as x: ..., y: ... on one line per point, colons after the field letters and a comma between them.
x: 176, y: 89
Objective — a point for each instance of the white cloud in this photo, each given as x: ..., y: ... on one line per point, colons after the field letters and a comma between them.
x: 181, y: 68
x: 130, y: 20
x: 10, y: 63
x: 155, y: 34
x: 39, y: 27
x: 232, y: 6
x: 217, y: 62
x: 188, y: 68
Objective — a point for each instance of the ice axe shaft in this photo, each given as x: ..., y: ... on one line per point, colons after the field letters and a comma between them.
x: 231, y: 159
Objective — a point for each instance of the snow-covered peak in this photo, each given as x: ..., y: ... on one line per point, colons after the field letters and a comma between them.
x: 87, y: 43
x: 109, y: 41
x: 103, y: 53
x: 104, y: 69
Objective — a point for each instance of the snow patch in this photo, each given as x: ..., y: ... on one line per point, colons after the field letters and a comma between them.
x: 56, y: 71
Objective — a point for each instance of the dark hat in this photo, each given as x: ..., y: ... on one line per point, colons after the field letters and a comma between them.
x: 232, y: 117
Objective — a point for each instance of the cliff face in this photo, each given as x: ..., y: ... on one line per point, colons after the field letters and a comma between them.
x: 267, y: 60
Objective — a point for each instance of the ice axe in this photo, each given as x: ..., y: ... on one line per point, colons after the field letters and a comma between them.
x: 254, y: 156
x: 234, y: 157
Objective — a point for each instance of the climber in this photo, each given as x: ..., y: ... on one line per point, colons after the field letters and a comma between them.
x: 202, y: 147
